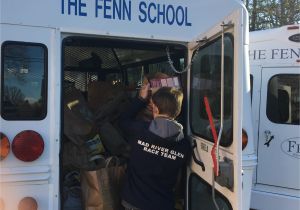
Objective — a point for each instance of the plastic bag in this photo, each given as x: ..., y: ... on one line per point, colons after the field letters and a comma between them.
x: 101, y: 188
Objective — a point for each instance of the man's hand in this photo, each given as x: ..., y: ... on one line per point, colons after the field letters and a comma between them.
x: 144, y: 91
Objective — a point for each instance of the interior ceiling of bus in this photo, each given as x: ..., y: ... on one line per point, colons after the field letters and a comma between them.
x: 89, y: 54
x: 110, y: 58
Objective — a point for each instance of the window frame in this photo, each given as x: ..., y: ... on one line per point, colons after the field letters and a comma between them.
x: 44, y: 90
x: 251, y: 86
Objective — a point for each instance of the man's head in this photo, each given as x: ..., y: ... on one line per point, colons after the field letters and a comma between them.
x: 167, y: 101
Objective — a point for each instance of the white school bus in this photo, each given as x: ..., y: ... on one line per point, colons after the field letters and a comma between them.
x: 275, y: 78
x: 43, y: 48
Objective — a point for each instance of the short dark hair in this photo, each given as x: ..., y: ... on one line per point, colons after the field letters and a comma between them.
x: 168, y: 101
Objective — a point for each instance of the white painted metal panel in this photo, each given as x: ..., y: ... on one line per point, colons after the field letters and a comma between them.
x: 156, y: 18
x: 19, y: 179
x: 241, y: 91
x: 279, y: 143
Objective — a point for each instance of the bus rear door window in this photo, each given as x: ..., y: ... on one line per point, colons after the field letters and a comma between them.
x: 206, y: 82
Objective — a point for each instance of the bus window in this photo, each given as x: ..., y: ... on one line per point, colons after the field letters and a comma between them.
x: 200, y: 196
x: 134, y: 75
x: 163, y: 67
x: 24, y: 81
x: 283, y: 99
x: 206, y: 82
x: 80, y: 80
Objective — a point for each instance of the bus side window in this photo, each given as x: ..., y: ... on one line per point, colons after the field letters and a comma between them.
x: 283, y: 104
x: 200, y: 195
x: 283, y: 99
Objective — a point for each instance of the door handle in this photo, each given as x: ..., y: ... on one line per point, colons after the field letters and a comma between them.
x: 199, y: 162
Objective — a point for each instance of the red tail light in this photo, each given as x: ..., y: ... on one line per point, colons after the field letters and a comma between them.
x: 28, y: 145
x: 4, y: 147
x: 28, y: 203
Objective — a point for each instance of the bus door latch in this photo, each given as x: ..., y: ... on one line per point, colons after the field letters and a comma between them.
x: 226, y: 175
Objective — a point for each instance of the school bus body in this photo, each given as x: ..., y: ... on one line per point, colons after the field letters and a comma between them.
x: 37, y: 31
x: 275, y: 69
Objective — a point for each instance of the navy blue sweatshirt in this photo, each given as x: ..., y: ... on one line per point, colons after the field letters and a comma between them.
x: 158, y: 153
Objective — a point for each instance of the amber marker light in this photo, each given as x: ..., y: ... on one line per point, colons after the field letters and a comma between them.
x: 244, y: 139
x: 4, y: 147
x: 1, y: 204
x: 28, y: 203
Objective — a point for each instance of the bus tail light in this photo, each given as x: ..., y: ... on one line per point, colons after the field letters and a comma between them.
x: 4, y: 147
x: 28, y: 145
x: 244, y: 139
x: 28, y: 203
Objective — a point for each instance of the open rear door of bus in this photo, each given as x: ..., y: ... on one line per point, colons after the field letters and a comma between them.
x: 215, y: 98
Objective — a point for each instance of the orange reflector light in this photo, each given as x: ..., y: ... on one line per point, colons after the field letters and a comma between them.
x: 28, y: 203
x: 244, y: 139
x: 28, y: 145
x: 1, y: 204
x: 4, y: 147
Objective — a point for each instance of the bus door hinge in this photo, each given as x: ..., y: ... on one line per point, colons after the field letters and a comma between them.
x: 227, y: 25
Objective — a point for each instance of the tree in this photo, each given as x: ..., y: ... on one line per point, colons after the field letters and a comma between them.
x: 13, y: 95
x: 266, y: 14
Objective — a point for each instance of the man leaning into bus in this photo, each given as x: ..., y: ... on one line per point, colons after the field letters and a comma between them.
x: 158, y: 151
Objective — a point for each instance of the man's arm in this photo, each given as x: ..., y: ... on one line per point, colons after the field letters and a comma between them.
x: 128, y: 123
